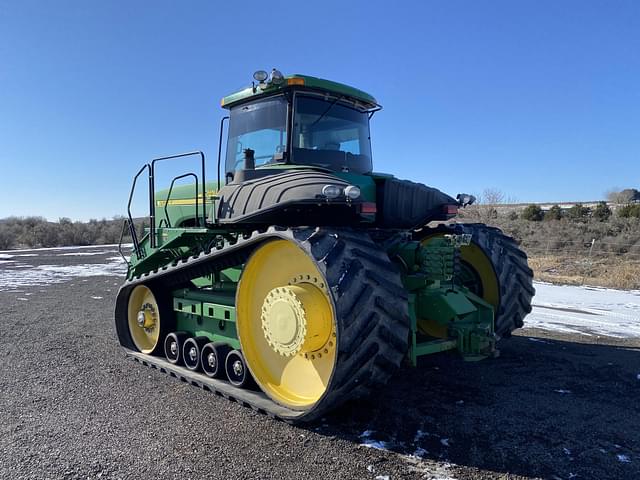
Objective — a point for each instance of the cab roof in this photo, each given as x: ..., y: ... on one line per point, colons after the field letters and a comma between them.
x: 300, y: 82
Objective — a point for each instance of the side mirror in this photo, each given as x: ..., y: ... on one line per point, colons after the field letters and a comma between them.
x: 464, y: 199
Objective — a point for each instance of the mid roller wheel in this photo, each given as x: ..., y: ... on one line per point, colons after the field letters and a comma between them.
x: 213, y: 357
x: 191, y: 349
x: 236, y: 369
x: 173, y: 347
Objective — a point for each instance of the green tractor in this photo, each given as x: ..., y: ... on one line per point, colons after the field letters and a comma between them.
x: 302, y: 278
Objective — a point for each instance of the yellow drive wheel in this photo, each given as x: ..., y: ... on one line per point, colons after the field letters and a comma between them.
x: 286, y: 324
x: 143, y: 315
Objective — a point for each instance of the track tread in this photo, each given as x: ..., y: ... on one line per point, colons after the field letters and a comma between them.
x: 368, y: 307
x: 369, y: 299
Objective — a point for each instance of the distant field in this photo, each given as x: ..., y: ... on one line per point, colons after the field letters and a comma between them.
x: 575, y: 251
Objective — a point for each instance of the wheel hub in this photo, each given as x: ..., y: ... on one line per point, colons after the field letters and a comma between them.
x: 238, y: 368
x: 193, y: 354
x: 146, y: 317
x: 291, y: 320
x: 211, y: 360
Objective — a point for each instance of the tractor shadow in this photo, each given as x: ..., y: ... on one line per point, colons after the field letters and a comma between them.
x: 545, y: 407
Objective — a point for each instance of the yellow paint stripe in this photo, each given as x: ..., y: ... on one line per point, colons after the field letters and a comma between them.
x: 185, y: 201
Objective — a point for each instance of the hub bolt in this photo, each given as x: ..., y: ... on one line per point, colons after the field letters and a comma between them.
x: 211, y: 360
x: 237, y: 368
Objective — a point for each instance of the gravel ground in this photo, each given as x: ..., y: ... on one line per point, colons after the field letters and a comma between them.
x: 72, y: 406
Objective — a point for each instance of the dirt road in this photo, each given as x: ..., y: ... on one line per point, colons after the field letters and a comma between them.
x: 553, y: 405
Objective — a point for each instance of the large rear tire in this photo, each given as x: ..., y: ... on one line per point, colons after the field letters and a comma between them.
x: 494, y: 268
x: 322, y: 319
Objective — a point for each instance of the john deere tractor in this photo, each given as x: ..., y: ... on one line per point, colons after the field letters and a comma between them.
x: 301, y: 278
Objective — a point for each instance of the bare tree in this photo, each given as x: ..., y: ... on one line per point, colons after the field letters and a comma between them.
x: 492, y: 196
x: 623, y: 197
x: 485, y: 208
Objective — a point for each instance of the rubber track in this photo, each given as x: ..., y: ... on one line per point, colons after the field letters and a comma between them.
x: 515, y: 278
x: 370, y: 302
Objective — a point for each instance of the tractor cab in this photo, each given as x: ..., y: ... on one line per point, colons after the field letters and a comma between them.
x: 299, y: 151
x: 293, y: 121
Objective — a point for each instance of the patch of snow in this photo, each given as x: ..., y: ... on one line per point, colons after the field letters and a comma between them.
x: 420, y: 435
x: 460, y: 402
x: 638, y: 376
x: 586, y: 310
x: 96, y: 298
x: 377, y: 444
x: 564, y: 392
x: 537, y: 340
x: 124, y: 245
x: 370, y: 468
x: 23, y: 299
x: 4, y: 256
x: 623, y: 458
x: 369, y: 442
x: 420, y: 452
x: 29, y: 276
x: 119, y: 258
x: 445, y: 442
x: 382, y: 477
x: 27, y: 255
x: 83, y: 254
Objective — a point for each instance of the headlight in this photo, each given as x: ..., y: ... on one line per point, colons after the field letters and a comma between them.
x: 352, y: 192
x: 260, y: 76
x: 331, y: 191
x: 276, y: 77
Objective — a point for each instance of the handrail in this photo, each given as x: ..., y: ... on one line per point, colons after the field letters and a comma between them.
x: 152, y: 212
x: 124, y: 224
x: 220, y: 147
x: 132, y: 230
x: 166, y: 214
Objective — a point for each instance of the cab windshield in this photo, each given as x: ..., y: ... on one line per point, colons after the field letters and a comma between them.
x: 327, y: 132
x: 260, y: 126
x: 330, y: 134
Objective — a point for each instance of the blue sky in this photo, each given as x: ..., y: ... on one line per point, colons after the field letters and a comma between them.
x: 540, y: 99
